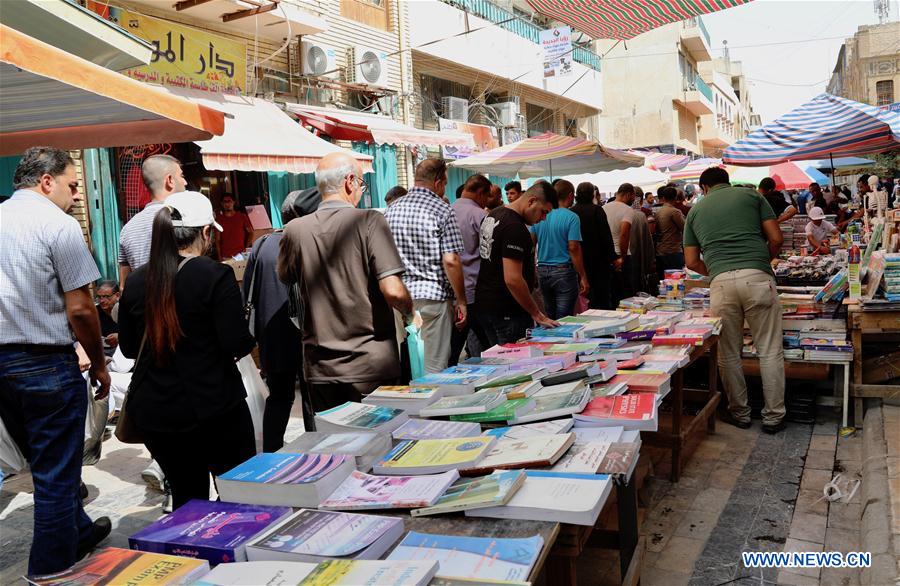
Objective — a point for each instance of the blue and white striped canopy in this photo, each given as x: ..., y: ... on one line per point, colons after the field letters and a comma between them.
x: 825, y: 126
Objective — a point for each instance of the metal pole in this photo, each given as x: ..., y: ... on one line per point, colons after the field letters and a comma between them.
x: 833, y: 185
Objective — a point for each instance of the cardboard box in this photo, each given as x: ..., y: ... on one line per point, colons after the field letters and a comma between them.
x: 239, y: 266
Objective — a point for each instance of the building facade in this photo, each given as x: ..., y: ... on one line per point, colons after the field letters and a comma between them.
x: 868, y: 66
x: 733, y: 116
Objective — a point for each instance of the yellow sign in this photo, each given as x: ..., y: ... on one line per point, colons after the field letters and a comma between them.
x: 184, y: 56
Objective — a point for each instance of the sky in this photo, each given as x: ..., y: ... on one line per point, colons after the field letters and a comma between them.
x: 788, y: 47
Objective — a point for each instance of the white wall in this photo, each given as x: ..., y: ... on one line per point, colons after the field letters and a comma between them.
x: 495, y: 50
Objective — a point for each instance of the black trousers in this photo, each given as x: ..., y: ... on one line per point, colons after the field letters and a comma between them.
x: 282, y: 390
x: 462, y: 338
x: 599, y: 295
x: 327, y: 395
x: 621, y: 282
x: 215, y: 446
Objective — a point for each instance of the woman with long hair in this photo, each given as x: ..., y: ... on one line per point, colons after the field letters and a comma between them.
x: 182, y: 312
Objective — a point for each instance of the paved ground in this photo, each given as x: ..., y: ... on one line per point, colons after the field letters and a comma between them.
x: 892, y: 441
x: 741, y: 490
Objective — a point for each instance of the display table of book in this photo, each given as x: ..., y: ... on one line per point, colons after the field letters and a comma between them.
x: 869, y: 323
x: 675, y: 429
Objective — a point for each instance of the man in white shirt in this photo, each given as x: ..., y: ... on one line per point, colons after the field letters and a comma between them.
x: 819, y: 231
x: 620, y: 216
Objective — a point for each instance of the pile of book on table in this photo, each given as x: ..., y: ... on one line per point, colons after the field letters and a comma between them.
x: 534, y: 430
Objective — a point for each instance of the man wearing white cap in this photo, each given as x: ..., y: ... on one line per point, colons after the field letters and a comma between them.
x: 819, y: 231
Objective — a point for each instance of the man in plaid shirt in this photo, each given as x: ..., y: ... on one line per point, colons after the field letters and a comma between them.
x: 429, y: 241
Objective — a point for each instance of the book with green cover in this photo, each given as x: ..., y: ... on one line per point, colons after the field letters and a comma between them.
x: 553, y: 406
x: 474, y: 403
x: 507, y: 411
x: 493, y: 490
x: 513, y: 378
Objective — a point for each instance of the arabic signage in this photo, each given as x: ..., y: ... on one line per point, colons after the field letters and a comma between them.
x: 556, y: 44
x: 485, y: 138
x: 184, y: 56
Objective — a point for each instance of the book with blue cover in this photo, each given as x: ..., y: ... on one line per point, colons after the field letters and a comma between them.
x: 488, y: 558
x: 296, y: 480
x: 561, y: 331
x: 350, y: 417
x: 213, y: 531
x: 451, y: 384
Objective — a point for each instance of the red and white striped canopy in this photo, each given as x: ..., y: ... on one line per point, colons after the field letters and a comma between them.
x: 626, y: 19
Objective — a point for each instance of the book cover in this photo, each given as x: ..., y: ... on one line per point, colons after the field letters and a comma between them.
x: 438, y: 455
x: 403, y: 392
x: 514, y: 377
x: 574, y: 372
x: 561, y: 389
x: 640, y: 406
x: 435, y: 429
x: 209, y: 530
x: 488, y: 361
x: 608, y: 389
x: 476, y: 370
x: 630, y: 364
x: 325, y: 533
x: 471, y: 493
x: 531, y: 429
x: 561, y: 331
x: 519, y: 391
x: 113, y: 566
x: 358, y: 415
x: 577, y: 348
x: 474, y: 403
x: 505, y: 411
x: 255, y: 573
x: 317, y: 442
x: 620, y: 458
x: 366, y: 491
x: 371, y: 573
x: 442, y: 379
x: 492, y: 558
x: 643, y: 383
x: 285, y: 468
x: 557, y: 405
x: 529, y: 452
x: 514, y: 351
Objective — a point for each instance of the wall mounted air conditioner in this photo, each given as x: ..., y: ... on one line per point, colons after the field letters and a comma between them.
x: 507, y: 113
x: 317, y: 60
x: 367, y: 66
x: 455, y: 108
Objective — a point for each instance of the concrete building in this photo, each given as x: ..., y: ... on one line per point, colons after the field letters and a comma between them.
x: 733, y: 116
x: 868, y: 66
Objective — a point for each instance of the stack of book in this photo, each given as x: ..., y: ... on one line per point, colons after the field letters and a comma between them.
x: 824, y: 349
x: 356, y: 417
x: 406, y: 398
x: 364, y: 447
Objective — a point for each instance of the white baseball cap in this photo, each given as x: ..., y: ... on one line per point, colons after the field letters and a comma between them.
x: 195, y: 209
x: 816, y: 214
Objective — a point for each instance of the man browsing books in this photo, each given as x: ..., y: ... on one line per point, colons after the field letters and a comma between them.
x: 503, y: 302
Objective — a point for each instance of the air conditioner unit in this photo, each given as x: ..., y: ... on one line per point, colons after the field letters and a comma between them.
x: 367, y: 66
x: 317, y: 60
x: 455, y: 108
x: 507, y: 113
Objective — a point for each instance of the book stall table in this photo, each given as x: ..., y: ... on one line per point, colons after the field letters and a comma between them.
x: 675, y: 438
x: 864, y: 323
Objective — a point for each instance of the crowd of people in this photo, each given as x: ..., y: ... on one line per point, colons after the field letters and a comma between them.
x: 328, y: 301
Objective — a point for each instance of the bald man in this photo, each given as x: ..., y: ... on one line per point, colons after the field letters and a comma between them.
x: 348, y: 292
x: 560, y: 262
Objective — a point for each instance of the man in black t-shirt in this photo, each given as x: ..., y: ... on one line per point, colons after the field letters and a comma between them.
x: 506, y: 278
x: 783, y: 210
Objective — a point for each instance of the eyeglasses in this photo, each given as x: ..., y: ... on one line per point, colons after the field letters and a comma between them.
x: 110, y: 296
x: 363, y: 186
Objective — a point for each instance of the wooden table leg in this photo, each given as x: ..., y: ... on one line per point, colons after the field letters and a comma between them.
x: 856, y: 335
x: 677, y: 412
x: 626, y: 501
x: 713, y: 384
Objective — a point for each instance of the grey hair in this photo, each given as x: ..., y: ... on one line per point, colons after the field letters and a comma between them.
x: 330, y: 180
x: 39, y: 161
x: 154, y: 171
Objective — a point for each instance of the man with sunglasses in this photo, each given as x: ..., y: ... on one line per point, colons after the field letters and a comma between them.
x: 429, y: 241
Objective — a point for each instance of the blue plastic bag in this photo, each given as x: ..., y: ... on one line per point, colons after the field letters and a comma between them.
x: 416, y: 351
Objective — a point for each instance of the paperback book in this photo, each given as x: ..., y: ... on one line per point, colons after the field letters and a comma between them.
x: 434, y: 456
x: 579, y: 371
x: 639, y: 382
x: 366, y: 491
x: 589, y: 450
x: 514, y: 351
x: 553, y: 406
x: 371, y: 573
x: 560, y: 389
x: 637, y: 411
x: 490, y: 558
x: 364, y: 447
x: 256, y: 573
x: 312, y: 536
x: 473, y: 493
x: 359, y: 417
x: 294, y: 480
x: 609, y: 389
x: 531, y: 429
x: 621, y: 458
x: 417, y: 429
x: 561, y: 331
x: 113, y: 565
x: 451, y: 385
x: 488, y: 361
x: 505, y: 412
x: 530, y: 452
x: 213, y: 531
x: 479, y: 402
x: 407, y: 398
x: 514, y: 377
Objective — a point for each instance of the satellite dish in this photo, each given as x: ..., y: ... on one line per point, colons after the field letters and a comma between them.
x: 370, y: 67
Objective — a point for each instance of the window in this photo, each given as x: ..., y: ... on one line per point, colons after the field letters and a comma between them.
x: 884, y: 92
x: 375, y: 13
x: 538, y: 119
x: 433, y: 90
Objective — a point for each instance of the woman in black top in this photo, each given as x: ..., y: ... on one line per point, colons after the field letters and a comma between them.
x: 187, y: 396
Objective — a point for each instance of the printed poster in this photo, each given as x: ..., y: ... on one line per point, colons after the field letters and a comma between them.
x: 556, y: 44
x: 485, y: 138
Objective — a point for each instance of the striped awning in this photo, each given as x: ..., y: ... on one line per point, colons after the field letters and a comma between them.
x: 626, y: 19
x: 692, y: 171
x: 786, y: 175
x: 549, y: 155
x: 662, y: 161
x: 825, y: 126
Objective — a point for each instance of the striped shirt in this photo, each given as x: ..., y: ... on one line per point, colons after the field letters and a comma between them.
x: 44, y: 256
x: 425, y: 229
x: 134, y: 240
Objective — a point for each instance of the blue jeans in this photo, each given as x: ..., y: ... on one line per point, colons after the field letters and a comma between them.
x: 559, y: 286
x: 499, y: 329
x: 45, y: 396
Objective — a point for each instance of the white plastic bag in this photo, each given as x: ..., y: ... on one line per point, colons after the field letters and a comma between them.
x: 257, y: 391
x: 11, y: 458
x: 94, y: 426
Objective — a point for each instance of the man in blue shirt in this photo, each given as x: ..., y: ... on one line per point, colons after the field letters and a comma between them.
x: 560, y: 263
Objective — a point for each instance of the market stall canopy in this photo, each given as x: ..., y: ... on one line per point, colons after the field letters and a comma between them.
x: 609, y: 181
x: 662, y: 161
x: 786, y: 175
x: 368, y: 127
x: 825, y: 126
x: 549, y: 155
x: 816, y: 175
x: 53, y: 98
x: 76, y: 30
x: 626, y: 19
x: 261, y: 137
x: 839, y: 163
x: 692, y: 171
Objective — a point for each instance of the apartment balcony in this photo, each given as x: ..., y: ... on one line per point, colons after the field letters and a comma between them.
x: 695, y: 96
x: 712, y: 136
x: 695, y: 38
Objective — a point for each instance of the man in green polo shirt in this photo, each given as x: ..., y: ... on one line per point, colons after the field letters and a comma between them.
x: 737, y: 233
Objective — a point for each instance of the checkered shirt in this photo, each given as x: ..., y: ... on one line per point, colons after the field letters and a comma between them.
x: 134, y: 240
x: 44, y: 256
x: 425, y: 228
